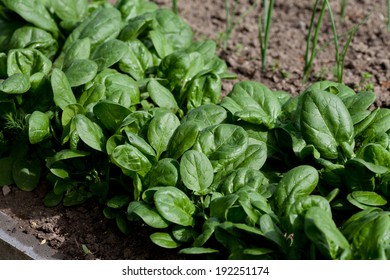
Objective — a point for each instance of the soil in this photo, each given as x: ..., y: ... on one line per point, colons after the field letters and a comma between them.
x: 367, y: 66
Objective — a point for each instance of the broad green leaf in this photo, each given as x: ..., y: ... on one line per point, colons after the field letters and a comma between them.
x: 369, y: 198
x: 298, y: 182
x: 38, y: 127
x: 140, y: 143
x: 243, y: 177
x: 183, y: 234
x: 81, y: 71
x: 15, y: 84
x: 165, y: 240
x: 101, y: 25
x: 222, y: 144
x: 161, y: 43
x: 161, y: 96
x: 177, y: 31
x: 109, y: 53
x: 130, y: 160
x: 164, y: 173
x: 33, y: 37
x: 206, y: 115
x: 80, y: 49
x: 254, y: 103
x: 376, y: 154
x: 272, y: 232
x: 6, y: 164
x: 62, y: 91
x: 207, y: 231
x: 28, y: 62
x: 160, y: 131
x: 219, y: 207
x: 110, y: 114
x: 118, y: 201
x: 148, y: 214
x: 323, y: 232
x: 26, y: 173
x: 70, y: 9
x: 132, y: 9
x: 34, y: 12
x: 137, y: 60
x: 183, y: 139
x: 326, y: 123
x: 175, y: 206
x: 90, y: 133
x: 196, y: 172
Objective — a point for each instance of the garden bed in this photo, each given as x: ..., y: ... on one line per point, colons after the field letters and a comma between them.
x: 82, y: 232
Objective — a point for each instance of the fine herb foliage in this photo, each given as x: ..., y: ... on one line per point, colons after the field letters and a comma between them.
x: 118, y: 104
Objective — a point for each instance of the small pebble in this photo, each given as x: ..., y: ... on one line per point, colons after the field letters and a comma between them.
x: 6, y: 190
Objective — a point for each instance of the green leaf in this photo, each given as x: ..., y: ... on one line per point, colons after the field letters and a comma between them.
x: 222, y: 144
x: 206, y: 115
x: 196, y: 172
x: 33, y: 37
x: 70, y: 9
x: 63, y: 95
x: 147, y: 213
x: 160, y: 131
x: 161, y: 96
x: 137, y: 60
x: 52, y: 199
x: 183, y: 139
x: 38, y: 127
x: 198, y: 251
x: 34, y: 12
x: 90, y: 133
x: 220, y: 206
x: 183, y: 234
x: 326, y: 123
x: 15, y: 84
x: 140, y: 143
x: 118, y: 201
x: 164, y: 240
x: 369, y: 198
x: 323, y: 232
x: 130, y: 160
x: 28, y: 62
x: 163, y: 173
x: 175, y: 206
x: 80, y: 72
x: 298, y: 182
x: 26, y: 173
x: 254, y: 103
x: 109, y: 53
x: 110, y: 114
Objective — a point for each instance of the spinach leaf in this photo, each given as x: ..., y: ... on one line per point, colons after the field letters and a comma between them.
x: 196, y: 172
x: 326, y: 123
x: 109, y: 53
x: 164, y: 173
x: 90, y: 133
x: 323, y: 232
x: 161, y: 96
x: 27, y: 61
x: 254, y: 103
x: 63, y: 94
x: 147, y: 213
x: 38, y: 127
x: 110, y: 114
x: 298, y: 182
x: 80, y: 71
x: 222, y: 144
x: 130, y: 160
x: 34, y: 12
x: 175, y: 206
x: 160, y: 131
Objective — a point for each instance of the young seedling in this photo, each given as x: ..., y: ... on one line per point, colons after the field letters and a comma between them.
x: 343, y: 5
x: 263, y: 31
x: 174, y: 6
x: 312, y: 51
x: 231, y: 21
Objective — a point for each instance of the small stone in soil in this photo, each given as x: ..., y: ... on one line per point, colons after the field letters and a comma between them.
x: 6, y: 190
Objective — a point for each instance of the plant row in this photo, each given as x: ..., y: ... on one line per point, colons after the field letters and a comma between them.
x: 120, y: 105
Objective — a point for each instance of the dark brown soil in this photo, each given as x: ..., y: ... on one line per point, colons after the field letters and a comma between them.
x: 70, y: 230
